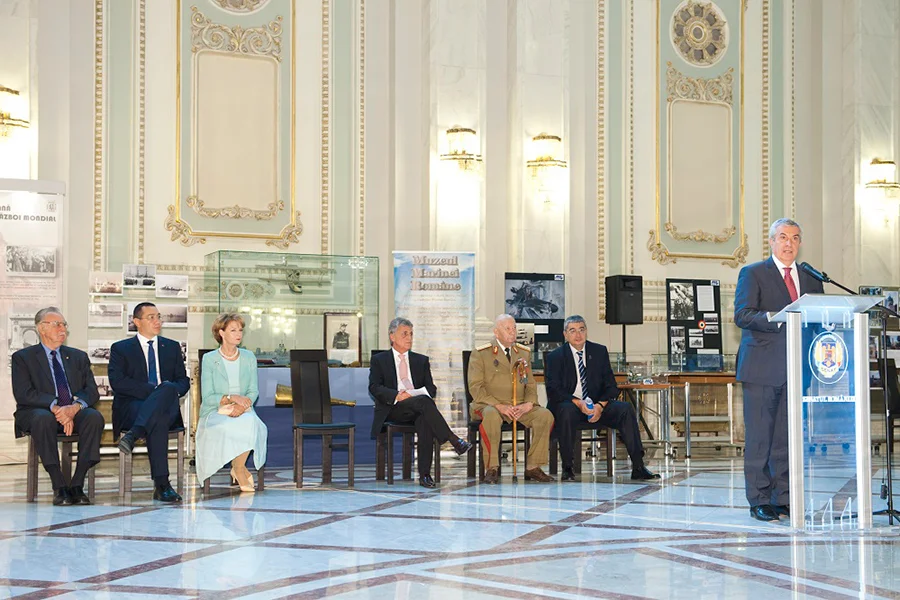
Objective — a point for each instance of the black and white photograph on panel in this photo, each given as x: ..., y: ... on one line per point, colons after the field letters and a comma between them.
x: 525, y: 334
x: 129, y: 313
x: 103, y: 386
x: 535, y: 295
x: 681, y: 301
x: 105, y: 283
x: 184, y: 350
x: 711, y: 329
x: 676, y: 331
x: 139, y: 276
x: 21, y: 333
x: 107, y: 315
x: 695, y: 342
x: 173, y: 315
x: 171, y: 286
x: 677, y: 345
x: 98, y: 351
x: 31, y: 261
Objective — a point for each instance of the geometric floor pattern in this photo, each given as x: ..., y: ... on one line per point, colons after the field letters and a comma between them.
x: 688, y: 536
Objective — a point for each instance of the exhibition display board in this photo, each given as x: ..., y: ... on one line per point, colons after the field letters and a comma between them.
x: 694, y: 319
x: 32, y: 218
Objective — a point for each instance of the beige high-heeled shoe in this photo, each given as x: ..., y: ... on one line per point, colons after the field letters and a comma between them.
x: 245, y: 480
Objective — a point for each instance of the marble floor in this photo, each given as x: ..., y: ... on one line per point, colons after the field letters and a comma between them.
x: 689, y: 536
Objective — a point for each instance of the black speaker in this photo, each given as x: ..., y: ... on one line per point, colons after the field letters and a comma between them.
x: 624, y: 299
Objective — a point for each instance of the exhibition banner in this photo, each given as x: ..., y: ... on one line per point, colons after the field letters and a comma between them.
x: 436, y: 291
x: 31, y: 278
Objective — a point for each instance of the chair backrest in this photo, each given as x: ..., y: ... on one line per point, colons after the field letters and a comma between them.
x: 200, y: 354
x: 469, y: 400
x: 309, y: 386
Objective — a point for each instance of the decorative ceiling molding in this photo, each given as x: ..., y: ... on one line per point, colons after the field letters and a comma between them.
x: 264, y: 40
x: 240, y: 6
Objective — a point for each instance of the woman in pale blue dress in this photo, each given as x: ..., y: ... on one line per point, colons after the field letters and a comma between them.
x: 229, y: 428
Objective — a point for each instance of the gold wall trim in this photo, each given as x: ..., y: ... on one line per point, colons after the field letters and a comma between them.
x: 239, y: 40
x: 256, y: 41
x: 326, y: 113
x: 236, y: 211
x: 631, y: 136
x: 240, y: 6
x: 715, y: 89
x: 142, y: 87
x: 97, y: 246
x: 766, y: 99
x: 601, y: 160
x: 793, y: 112
x: 700, y: 235
x: 361, y: 243
x: 658, y: 250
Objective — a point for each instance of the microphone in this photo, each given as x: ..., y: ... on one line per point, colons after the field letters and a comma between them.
x: 815, y: 274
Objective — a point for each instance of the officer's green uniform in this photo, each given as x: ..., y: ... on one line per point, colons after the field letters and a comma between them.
x: 490, y: 383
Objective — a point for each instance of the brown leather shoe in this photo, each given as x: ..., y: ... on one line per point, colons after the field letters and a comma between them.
x: 536, y: 474
x: 492, y: 475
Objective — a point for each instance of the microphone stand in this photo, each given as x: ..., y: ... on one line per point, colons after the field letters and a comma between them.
x: 883, y: 368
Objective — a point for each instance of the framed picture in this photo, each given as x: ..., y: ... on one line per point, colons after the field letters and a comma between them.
x: 106, y: 315
x: 105, y: 283
x: 139, y: 276
x: 98, y: 350
x: 173, y: 315
x: 31, y: 261
x: 343, y: 338
x: 533, y: 296
x: 171, y: 286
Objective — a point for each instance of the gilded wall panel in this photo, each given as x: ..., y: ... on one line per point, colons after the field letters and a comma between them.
x: 236, y: 136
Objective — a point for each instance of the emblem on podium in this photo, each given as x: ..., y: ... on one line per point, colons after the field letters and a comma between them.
x: 828, y: 357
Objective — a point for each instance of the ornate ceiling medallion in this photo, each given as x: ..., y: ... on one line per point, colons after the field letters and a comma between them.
x: 699, y: 33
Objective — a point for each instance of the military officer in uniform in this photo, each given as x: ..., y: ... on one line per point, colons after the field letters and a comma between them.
x: 491, y: 368
x: 341, y: 339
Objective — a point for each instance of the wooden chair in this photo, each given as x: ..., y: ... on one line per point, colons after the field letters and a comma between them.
x: 384, y: 449
x: 475, y: 433
x: 312, y: 412
x: 260, y: 471
x: 126, y: 464
x: 31, y: 468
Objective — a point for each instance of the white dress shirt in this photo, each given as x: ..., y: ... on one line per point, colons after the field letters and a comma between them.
x: 794, y: 274
x: 146, y: 350
x: 578, y: 391
x: 400, y: 386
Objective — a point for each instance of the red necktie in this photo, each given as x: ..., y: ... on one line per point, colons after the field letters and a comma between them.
x: 789, y: 282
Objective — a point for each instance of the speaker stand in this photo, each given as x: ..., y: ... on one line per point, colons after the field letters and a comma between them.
x: 624, y: 351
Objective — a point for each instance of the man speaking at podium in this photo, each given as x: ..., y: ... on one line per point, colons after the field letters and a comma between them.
x: 764, y: 287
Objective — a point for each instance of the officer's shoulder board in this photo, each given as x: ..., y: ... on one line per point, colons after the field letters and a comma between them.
x: 483, y: 347
x: 521, y: 347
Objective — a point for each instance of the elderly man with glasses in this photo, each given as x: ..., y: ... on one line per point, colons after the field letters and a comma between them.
x: 55, y: 393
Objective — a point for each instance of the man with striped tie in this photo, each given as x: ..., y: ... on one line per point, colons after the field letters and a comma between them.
x: 577, y: 374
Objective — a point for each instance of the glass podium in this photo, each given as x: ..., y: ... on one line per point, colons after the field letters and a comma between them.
x: 828, y: 410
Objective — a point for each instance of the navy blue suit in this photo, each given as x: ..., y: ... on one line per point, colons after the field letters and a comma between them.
x: 148, y: 410
x: 561, y: 376
x: 762, y: 371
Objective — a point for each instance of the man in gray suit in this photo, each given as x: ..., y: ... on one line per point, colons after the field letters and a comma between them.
x: 763, y: 287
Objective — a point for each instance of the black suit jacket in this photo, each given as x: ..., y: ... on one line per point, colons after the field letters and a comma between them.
x: 561, y: 375
x: 33, y: 384
x: 762, y: 355
x: 128, y: 377
x: 383, y: 384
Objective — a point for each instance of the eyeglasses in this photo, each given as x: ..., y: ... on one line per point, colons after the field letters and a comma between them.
x: 56, y: 324
x: 581, y: 330
x: 152, y: 318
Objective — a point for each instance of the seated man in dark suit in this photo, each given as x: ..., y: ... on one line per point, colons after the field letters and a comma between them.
x: 147, y: 375
x: 579, y: 370
x: 400, y: 382
x: 55, y: 392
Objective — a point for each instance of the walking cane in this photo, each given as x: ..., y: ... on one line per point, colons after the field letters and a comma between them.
x: 517, y: 375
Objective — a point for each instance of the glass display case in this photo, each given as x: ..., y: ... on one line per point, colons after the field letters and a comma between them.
x: 298, y: 301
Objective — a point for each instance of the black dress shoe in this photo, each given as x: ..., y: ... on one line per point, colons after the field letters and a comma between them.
x: 763, y: 512
x: 426, y: 481
x: 782, y: 509
x: 461, y: 446
x: 78, y: 495
x: 165, y: 493
x: 63, y: 496
x: 643, y: 474
x: 568, y: 474
x: 126, y: 442
x: 492, y: 476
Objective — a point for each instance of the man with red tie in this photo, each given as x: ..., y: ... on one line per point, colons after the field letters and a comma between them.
x: 764, y: 287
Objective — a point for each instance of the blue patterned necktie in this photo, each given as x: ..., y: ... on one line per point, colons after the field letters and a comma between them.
x: 152, y: 377
x: 582, y: 373
x: 63, y: 395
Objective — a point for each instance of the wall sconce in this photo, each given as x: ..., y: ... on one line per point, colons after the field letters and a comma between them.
x: 461, y: 145
x: 8, y: 97
x: 547, y: 168
x: 882, y: 174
